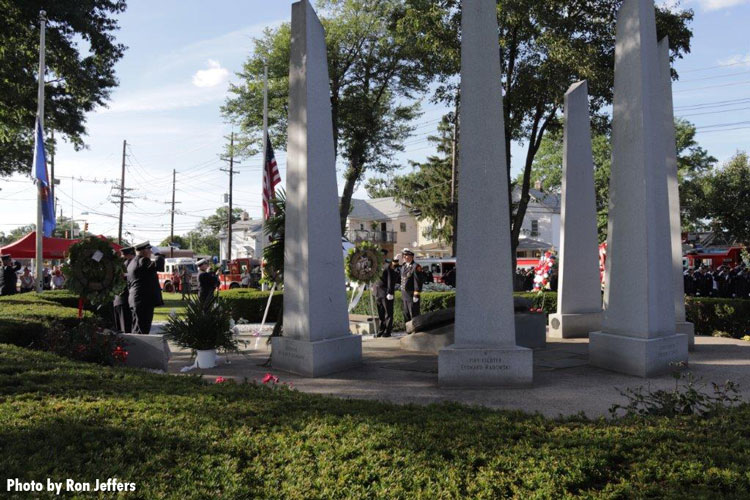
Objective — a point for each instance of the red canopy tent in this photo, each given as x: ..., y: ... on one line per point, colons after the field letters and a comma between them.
x: 52, y: 248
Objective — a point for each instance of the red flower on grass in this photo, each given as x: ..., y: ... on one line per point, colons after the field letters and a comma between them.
x: 270, y: 378
x: 120, y: 354
x: 220, y: 380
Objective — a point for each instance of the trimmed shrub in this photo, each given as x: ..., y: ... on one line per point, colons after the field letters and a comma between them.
x: 25, y: 319
x: 719, y: 317
x: 250, y: 304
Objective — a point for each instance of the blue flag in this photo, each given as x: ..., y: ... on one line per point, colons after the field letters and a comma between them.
x: 42, y: 181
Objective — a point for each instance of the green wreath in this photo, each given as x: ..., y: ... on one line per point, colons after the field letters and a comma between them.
x: 364, y: 263
x: 97, y: 281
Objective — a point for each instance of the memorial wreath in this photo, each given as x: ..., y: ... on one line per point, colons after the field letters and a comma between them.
x: 364, y: 263
x: 94, y: 271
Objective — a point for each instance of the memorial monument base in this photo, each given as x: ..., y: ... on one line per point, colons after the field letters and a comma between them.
x: 570, y: 326
x: 478, y: 366
x: 687, y: 328
x: 637, y: 356
x: 317, y: 358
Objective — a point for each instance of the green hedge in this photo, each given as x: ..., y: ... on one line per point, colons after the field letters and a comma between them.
x: 250, y: 304
x: 719, y: 317
x: 25, y: 319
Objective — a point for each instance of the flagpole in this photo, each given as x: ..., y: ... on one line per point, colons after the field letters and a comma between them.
x: 40, y: 118
x: 265, y: 159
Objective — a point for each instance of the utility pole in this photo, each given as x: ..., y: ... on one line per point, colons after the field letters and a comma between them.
x: 454, y: 176
x: 171, y: 231
x: 231, y: 177
x: 52, y: 166
x: 122, y: 193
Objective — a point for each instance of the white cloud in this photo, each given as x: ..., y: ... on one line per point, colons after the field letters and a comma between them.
x: 720, y: 4
x: 736, y: 60
x: 211, y: 77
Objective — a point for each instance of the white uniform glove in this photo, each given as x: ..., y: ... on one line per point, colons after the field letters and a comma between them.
x: 389, y: 297
x: 416, y: 299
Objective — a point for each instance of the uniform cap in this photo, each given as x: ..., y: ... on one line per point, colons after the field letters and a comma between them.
x: 143, y: 246
x: 128, y: 251
x: 5, y: 256
x: 406, y: 251
x: 202, y: 261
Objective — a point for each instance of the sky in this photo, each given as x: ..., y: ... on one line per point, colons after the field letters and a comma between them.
x: 181, y: 57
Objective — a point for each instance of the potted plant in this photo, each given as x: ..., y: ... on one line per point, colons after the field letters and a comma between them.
x: 204, y: 327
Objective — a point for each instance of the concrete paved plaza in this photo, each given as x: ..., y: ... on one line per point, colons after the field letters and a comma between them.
x: 564, y: 383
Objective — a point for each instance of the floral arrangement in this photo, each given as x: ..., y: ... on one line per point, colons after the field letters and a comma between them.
x: 94, y: 271
x: 86, y: 342
x: 543, y: 270
x: 364, y: 263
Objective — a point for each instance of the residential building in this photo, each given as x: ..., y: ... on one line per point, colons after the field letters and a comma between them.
x: 245, y: 238
x: 384, y: 222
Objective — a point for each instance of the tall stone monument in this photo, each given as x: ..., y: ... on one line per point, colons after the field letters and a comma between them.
x: 316, y: 338
x: 485, y: 351
x: 579, y: 297
x: 638, y: 334
x: 675, y: 223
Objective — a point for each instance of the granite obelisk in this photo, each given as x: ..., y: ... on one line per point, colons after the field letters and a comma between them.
x: 638, y: 334
x: 485, y: 351
x: 316, y: 339
x: 675, y: 223
x: 579, y: 296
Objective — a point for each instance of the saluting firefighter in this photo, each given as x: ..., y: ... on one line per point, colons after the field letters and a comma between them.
x: 207, y: 281
x: 121, y: 304
x: 411, y: 285
x: 384, y: 289
x: 8, y: 276
x: 145, y: 293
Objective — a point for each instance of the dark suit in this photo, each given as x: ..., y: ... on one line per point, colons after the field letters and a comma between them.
x: 386, y: 285
x: 8, y: 279
x: 121, y: 305
x: 207, y: 283
x: 411, y: 286
x: 145, y: 294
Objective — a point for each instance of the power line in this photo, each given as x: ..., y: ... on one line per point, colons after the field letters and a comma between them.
x: 726, y: 65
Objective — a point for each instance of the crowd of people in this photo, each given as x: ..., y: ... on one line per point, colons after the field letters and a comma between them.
x: 11, y: 282
x: 724, y: 282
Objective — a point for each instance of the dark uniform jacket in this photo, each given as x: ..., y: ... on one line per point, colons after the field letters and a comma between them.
x: 207, y: 283
x: 386, y: 284
x: 8, y: 279
x: 410, y: 281
x: 122, y: 299
x: 143, y: 283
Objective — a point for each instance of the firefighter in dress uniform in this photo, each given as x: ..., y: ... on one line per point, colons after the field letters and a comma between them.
x: 411, y: 285
x: 145, y: 293
x: 121, y: 304
x: 8, y: 276
x: 384, y: 290
x: 207, y: 281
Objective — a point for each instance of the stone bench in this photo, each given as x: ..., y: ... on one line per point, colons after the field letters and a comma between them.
x: 146, y: 351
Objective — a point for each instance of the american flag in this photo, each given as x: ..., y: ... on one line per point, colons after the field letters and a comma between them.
x: 271, y: 178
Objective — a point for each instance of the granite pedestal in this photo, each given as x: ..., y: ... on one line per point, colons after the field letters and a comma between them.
x: 318, y: 358
x: 479, y: 366
x: 637, y: 356
x: 567, y: 326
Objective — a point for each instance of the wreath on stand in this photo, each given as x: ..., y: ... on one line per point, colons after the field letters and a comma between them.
x: 93, y: 272
x: 363, y: 265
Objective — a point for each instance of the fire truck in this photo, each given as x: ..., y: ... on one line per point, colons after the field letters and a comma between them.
x: 243, y: 273
x: 169, y: 280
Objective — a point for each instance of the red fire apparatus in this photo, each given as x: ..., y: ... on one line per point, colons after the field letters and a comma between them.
x: 243, y: 273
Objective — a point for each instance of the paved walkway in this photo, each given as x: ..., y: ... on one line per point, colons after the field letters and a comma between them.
x: 564, y: 383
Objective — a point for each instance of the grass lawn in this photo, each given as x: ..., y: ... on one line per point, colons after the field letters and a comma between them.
x: 179, y: 437
x: 172, y: 302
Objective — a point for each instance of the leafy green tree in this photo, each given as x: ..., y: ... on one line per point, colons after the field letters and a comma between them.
x: 15, y: 234
x: 63, y: 228
x: 81, y: 54
x: 374, y: 78
x: 693, y: 163
x: 204, y: 239
x: 727, y: 192
x: 218, y: 221
x: 427, y: 190
x: 544, y: 48
x: 179, y: 241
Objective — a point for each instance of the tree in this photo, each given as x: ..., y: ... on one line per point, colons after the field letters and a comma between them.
x: 727, y: 193
x: 63, y: 228
x: 544, y: 48
x: 177, y: 241
x: 427, y: 191
x: 15, y: 234
x: 81, y: 54
x: 373, y: 74
x: 693, y: 164
x: 204, y: 239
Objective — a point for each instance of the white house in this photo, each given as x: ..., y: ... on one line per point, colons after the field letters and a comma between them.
x: 384, y: 222
x: 245, y: 238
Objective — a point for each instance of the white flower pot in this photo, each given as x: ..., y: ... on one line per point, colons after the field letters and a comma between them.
x: 206, y: 359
